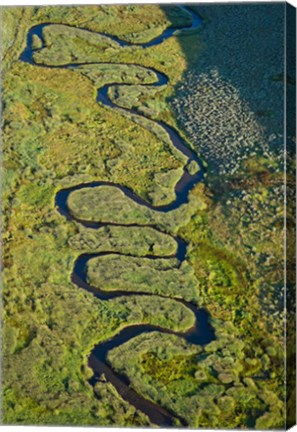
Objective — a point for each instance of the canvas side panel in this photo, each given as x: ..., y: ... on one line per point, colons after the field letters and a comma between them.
x: 290, y: 125
x: 1, y: 305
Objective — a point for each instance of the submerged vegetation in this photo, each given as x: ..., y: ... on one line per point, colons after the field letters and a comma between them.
x: 56, y: 135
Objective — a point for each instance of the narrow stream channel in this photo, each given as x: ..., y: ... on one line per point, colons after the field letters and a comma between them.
x: 202, y: 332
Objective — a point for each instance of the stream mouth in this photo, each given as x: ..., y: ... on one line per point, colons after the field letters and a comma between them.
x: 202, y: 332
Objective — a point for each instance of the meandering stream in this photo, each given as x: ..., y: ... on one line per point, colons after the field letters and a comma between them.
x: 202, y: 332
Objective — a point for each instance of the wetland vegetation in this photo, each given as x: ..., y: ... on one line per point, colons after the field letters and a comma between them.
x: 57, y: 135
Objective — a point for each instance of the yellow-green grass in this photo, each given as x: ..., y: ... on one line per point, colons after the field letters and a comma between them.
x: 132, y: 274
